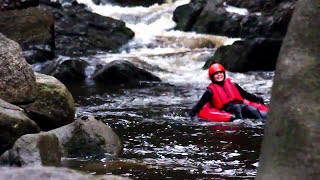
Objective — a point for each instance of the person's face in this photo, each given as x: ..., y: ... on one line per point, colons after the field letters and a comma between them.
x: 218, y: 76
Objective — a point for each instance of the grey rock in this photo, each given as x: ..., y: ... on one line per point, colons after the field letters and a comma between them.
x: 54, y: 104
x: 13, y: 124
x: 52, y: 173
x: 86, y: 136
x: 32, y: 29
x: 17, y: 79
x: 257, y: 54
x: 122, y: 72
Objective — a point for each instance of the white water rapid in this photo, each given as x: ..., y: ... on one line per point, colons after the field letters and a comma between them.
x: 176, y: 57
x: 177, y: 54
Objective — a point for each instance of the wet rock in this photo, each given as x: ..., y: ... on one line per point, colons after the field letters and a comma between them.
x: 211, y: 17
x: 13, y: 124
x: 68, y: 70
x: 122, y: 72
x: 147, y: 66
x: 186, y: 15
x: 17, y: 82
x: 79, y: 32
x: 281, y: 18
x: 6, y: 5
x: 32, y: 28
x: 262, y: 6
x: 52, y: 173
x: 257, y: 54
x: 34, y: 149
x: 130, y: 2
x: 51, y: 4
x: 262, y: 29
x: 53, y: 106
x: 85, y: 136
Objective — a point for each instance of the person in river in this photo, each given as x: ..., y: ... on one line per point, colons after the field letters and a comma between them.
x: 227, y: 96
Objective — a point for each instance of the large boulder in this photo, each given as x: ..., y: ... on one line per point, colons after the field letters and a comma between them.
x: 257, y: 54
x: 85, y: 136
x: 13, y: 124
x: 80, y: 32
x: 291, y: 143
x: 52, y: 173
x: 67, y: 70
x: 122, y: 72
x: 70, y: 30
x: 185, y: 16
x: 54, y: 104
x: 17, y: 79
x: 32, y: 28
x: 213, y: 17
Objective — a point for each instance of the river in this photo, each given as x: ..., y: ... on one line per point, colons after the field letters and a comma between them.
x: 160, y: 142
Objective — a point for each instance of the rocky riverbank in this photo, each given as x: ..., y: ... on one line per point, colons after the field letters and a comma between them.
x: 33, y: 103
x: 262, y: 26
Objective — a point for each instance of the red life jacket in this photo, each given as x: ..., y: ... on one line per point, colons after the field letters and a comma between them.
x: 223, y: 95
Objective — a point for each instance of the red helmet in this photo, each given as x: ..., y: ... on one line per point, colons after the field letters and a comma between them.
x: 216, y: 67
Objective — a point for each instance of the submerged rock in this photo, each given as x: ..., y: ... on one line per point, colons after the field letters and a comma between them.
x: 84, y: 137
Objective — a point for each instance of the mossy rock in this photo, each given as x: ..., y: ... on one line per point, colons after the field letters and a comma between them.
x: 54, y: 105
x: 50, y: 151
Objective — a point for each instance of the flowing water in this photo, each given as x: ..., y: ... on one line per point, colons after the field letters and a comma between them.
x: 160, y: 142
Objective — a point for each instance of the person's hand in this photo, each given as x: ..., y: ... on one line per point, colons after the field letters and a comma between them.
x: 260, y: 100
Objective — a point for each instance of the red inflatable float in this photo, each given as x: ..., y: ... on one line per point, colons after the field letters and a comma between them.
x: 212, y: 114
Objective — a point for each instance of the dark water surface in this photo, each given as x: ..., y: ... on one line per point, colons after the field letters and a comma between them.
x: 160, y: 142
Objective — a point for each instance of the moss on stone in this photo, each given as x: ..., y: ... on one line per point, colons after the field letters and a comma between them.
x: 50, y: 151
x: 81, y: 144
